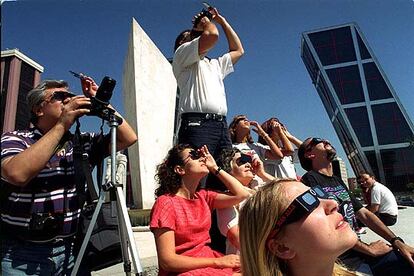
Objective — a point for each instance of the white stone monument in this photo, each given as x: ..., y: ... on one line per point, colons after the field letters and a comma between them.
x: 149, y: 90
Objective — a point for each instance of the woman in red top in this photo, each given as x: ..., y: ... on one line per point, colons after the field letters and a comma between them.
x: 181, y: 215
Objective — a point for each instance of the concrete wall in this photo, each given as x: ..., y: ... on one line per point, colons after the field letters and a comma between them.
x: 149, y: 89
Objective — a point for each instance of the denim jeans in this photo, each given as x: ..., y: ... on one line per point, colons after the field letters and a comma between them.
x: 390, y: 264
x: 214, y: 134
x: 197, y: 133
x: 27, y: 258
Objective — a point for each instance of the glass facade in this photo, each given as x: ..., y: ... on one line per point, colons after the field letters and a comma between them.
x: 334, y: 46
x: 374, y: 130
x: 358, y: 117
x: 347, y: 84
x: 377, y: 88
x: 390, y: 124
x: 398, y: 167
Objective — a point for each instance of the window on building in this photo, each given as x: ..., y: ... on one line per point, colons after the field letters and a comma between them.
x: 358, y: 118
x: 377, y: 88
x: 363, y: 51
x: 398, y: 167
x: 310, y: 62
x: 372, y: 160
x: 347, y: 84
x: 326, y: 97
x: 390, y: 124
x: 334, y: 46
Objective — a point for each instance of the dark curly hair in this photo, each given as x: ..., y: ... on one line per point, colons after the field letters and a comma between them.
x: 232, y: 129
x: 226, y: 157
x: 169, y: 181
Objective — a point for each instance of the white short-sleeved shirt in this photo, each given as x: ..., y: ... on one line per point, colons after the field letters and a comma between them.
x: 282, y: 168
x: 200, y: 79
x: 252, y: 149
x: 381, y: 195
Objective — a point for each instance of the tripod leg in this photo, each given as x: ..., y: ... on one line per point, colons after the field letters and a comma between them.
x: 88, y: 234
x: 126, y: 234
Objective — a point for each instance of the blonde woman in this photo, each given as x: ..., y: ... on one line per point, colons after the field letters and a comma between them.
x: 288, y: 229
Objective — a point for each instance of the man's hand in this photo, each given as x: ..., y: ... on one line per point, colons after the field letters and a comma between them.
x: 406, y: 251
x: 89, y: 86
x: 73, y: 108
x: 378, y: 248
x: 202, y: 21
x: 216, y: 16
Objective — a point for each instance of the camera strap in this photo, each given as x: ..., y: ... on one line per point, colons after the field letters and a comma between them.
x: 82, y: 169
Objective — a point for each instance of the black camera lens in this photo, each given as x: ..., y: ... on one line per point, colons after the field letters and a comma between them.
x: 104, y: 92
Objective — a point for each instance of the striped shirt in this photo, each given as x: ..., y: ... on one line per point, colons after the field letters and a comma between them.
x: 53, y: 191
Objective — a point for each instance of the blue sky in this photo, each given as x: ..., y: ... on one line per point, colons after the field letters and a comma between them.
x: 270, y: 80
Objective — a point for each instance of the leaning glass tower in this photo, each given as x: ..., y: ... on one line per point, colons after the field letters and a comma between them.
x: 364, y: 109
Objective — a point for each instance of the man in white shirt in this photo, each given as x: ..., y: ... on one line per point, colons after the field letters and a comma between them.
x: 203, y: 106
x: 383, y: 203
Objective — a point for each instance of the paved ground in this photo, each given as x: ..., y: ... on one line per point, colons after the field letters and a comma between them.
x: 148, y: 254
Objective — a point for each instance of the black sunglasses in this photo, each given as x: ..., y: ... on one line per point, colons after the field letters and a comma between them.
x: 243, y: 159
x: 314, y: 142
x: 60, y: 96
x: 194, y: 155
x: 301, y: 206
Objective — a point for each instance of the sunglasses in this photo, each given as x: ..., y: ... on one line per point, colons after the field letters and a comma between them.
x: 301, y: 206
x: 243, y: 159
x: 194, y: 155
x: 314, y: 142
x: 59, y: 96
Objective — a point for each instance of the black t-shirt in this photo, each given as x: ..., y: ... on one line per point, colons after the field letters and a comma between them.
x: 335, y: 187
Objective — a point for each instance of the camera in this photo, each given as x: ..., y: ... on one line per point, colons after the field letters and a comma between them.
x: 44, y: 226
x: 100, y: 102
x: 203, y: 13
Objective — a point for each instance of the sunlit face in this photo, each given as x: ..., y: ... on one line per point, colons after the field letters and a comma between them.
x: 243, y: 123
x: 51, y: 107
x: 242, y: 172
x: 366, y: 181
x: 323, y: 231
x: 321, y: 149
x: 192, y: 163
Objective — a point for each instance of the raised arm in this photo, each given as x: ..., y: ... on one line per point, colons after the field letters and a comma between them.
x: 237, y: 191
x: 22, y: 167
x: 209, y: 35
x: 235, y: 46
x: 376, y: 225
x: 292, y: 138
x: 275, y: 152
x: 126, y: 136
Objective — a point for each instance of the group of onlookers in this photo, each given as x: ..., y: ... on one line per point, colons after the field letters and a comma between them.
x: 269, y: 222
x: 272, y: 223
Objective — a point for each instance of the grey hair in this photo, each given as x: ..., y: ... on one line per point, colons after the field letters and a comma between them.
x: 36, y: 96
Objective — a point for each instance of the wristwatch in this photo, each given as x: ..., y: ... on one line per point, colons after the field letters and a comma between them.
x: 217, y: 171
x: 392, y: 241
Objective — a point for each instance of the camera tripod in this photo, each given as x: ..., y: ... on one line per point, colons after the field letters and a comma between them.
x: 128, y: 246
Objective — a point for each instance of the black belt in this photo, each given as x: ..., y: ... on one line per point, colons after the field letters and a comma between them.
x: 203, y: 116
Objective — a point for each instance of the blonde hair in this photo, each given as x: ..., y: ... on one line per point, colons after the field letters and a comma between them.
x: 257, y: 219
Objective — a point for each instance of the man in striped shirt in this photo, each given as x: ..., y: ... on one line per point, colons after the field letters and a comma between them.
x: 39, y: 200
